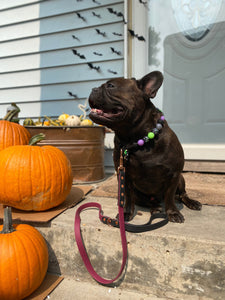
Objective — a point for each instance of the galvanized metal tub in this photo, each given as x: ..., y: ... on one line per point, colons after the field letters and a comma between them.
x: 83, y: 145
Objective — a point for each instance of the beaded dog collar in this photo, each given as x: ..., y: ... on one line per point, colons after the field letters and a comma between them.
x: 151, y: 135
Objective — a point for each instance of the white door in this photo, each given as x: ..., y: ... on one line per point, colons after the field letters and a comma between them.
x: 186, y: 41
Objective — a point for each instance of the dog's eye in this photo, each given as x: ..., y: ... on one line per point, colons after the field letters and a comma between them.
x: 110, y: 85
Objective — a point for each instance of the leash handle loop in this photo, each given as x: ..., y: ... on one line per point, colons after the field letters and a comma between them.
x: 81, y: 246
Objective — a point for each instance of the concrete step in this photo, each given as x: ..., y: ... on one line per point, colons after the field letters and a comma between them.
x: 70, y: 289
x: 179, y: 259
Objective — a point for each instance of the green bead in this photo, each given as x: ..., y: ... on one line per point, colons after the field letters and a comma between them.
x: 125, y: 152
x: 151, y: 135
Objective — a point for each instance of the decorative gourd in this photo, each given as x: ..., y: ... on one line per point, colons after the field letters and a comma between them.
x: 39, y: 122
x: 63, y: 117
x: 23, y: 259
x: 72, y: 121
x: 46, y: 123
x: 86, y: 122
x: 12, y: 133
x: 28, y: 122
x: 50, y: 122
x: 34, y: 177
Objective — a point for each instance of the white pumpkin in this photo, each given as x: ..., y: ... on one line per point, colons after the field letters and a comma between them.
x: 72, y: 121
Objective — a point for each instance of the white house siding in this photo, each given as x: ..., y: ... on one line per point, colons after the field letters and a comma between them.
x: 38, y: 68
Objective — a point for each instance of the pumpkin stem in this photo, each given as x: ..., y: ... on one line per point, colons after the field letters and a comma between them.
x: 7, y: 221
x: 9, y: 116
x: 36, y: 138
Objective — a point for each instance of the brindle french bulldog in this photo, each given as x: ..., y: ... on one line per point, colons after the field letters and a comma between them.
x: 153, y: 155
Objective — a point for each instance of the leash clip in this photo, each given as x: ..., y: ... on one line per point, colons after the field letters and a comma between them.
x: 121, y: 166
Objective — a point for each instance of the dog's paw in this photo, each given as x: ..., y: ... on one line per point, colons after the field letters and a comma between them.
x: 175, y: 216
x: 192, y: 204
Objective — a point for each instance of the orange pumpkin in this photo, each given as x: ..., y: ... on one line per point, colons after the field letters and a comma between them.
x: 23, y: 259
x: 12, y: 133
x: 33, y: 177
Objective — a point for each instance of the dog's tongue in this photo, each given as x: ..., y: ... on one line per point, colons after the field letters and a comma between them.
x: 97, y: 111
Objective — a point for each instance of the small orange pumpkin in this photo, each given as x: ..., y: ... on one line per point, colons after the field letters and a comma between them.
x: 12, y: 133
x: 34, y: 177
x: 23, y: 259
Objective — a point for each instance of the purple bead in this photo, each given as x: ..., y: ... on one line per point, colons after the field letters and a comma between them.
x: 140, y: 142
x: 162, y: 118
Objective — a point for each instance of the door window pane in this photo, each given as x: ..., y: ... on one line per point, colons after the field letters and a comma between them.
x: 187, y: 43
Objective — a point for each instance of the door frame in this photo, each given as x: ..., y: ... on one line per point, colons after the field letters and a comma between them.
x: 138, y: 53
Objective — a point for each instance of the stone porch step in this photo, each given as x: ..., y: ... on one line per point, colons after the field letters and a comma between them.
x: 71, y: 289
x: 179, y: 260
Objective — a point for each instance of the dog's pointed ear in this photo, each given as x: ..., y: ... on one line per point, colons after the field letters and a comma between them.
x: 151, y: 83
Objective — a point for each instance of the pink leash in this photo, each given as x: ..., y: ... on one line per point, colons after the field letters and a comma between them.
x: 77, y: 229
x: 116, y: 223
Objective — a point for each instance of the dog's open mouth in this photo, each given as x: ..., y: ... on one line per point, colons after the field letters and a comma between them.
x: 101, y: 116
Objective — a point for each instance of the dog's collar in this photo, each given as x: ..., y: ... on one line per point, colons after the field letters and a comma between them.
x: 146, y: 140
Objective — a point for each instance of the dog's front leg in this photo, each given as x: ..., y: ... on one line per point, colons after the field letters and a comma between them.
x: 129, y: 200
x: 173, y: 213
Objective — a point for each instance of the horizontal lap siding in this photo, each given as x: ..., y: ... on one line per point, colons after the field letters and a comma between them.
x: 9, y: 4
x: 45, y: 49
x: 62, y: 57
x: 58, y: 23
x: 62, y: 74
x: 62, y: 40
x: 21, y: 11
